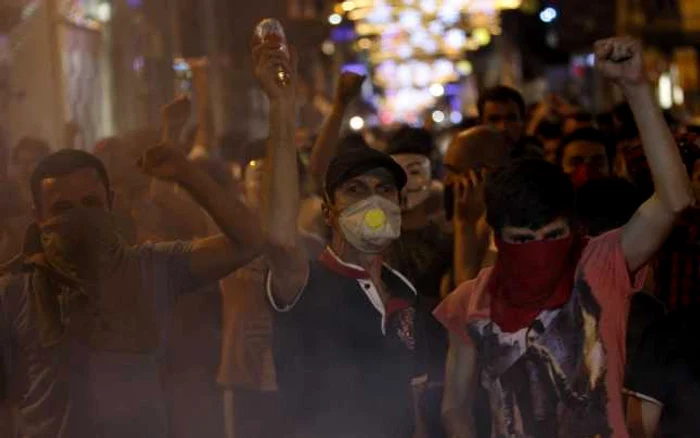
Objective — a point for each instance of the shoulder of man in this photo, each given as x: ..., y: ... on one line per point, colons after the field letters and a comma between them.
x: 469, y: 302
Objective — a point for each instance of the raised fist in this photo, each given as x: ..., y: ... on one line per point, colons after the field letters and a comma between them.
x: 621, y: 60
x: 348, y: 88
x: 165, y: 163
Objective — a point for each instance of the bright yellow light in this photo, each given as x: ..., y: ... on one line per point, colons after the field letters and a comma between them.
x: 481, y: 36
x: 358, y: 14
x: 363, y: 29
x: 464, y: 67
x: 348, y: 5
x: 335, y: 19
x: 508, y: 4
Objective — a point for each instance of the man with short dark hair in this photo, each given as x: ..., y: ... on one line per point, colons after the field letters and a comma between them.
x: 503, y: 108
x: 543, y: 330
x: 82, y: 314
x: 585, y: 154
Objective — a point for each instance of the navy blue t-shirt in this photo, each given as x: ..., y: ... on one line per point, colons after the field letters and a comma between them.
x: 344, y: 369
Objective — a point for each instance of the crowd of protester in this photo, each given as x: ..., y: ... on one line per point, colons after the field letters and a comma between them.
x: 537, y: 279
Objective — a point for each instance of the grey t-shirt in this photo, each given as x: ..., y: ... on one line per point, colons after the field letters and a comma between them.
x: 75, y: 391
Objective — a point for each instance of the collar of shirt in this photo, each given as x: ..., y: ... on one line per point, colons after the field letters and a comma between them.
x: 331, y: 260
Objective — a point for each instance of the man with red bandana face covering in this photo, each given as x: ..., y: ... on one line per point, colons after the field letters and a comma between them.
x: 546, y: 325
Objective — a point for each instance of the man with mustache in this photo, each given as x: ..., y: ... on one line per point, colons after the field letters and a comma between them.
x: 82, y: 313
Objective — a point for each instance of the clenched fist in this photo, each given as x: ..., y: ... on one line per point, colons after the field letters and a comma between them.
x: 621, y: 60
x: 165, y: 163
x: 348, y: 88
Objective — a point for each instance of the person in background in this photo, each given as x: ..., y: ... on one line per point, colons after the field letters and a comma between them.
x: 585, y: 154
x: 423, y: 252
x: 24, y: 158
x: 86, y: 311
x: 503, y: 108
x: 663, y: 384
x: 471, y: 155
x: 246, y: 370
x: 346, y: 90
x: 545, y: 324
x: 576, y: 120
x: 549, y: 134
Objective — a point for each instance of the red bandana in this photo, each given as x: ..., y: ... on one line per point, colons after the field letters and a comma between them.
x: 529, y: 278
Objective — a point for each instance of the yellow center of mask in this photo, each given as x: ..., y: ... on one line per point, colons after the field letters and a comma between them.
x: 375, y: 218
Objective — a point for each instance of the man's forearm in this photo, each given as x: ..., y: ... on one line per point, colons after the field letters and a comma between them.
x: 326, y: 144
x: 230, y: 214
x: 470, y: 245
x: 281, y: 180
x: 670, y: 176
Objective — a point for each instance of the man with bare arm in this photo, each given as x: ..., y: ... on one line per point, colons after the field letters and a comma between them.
x: 546, y: 325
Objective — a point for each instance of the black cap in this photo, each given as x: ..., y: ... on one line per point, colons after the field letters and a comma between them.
x: 359, y: 160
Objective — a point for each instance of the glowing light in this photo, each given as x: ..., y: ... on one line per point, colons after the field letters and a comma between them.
x: 481, y: 36
x: 665, y: 91
x: 364, y: 43
x: 456, y: 117
x: 437, y: 90
x: 328, y: 48
x: 335, y: 19
x: 438, y: 116
x: 464, y: 67
x: 357, y: 123
x: 348, y: 5
x: 678, y: 96
x: 548, y: 14
x: 104, y: 12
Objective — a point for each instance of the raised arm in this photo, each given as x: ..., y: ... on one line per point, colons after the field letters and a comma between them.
x: 621, y: 60
x: 174, y: 117
x: 325, y: 148
x: 280, y: 200
x: 214, y: 257
x: 471, y: 238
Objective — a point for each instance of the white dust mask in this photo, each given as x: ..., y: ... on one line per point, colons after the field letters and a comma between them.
x: 372, y: 224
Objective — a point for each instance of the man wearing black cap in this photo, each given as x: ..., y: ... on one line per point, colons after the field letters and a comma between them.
x: 345, y: 330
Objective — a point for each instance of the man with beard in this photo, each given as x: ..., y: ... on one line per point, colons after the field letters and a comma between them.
x: 82, y: 315
x: 546, y: 325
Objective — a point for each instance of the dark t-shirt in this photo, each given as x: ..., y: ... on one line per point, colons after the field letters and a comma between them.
x: 424, y: 256
x: 72, y: 390
x: 666, y: 371
x: 343, y: 368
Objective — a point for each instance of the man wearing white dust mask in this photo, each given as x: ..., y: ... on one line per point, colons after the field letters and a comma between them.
x: 346, y: 333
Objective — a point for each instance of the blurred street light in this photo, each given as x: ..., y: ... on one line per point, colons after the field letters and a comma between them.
x: 335, y: 19
x: 357, y: 123
x: 548, y: 14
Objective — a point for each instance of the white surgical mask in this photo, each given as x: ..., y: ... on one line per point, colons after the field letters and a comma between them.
x: 372, y: 224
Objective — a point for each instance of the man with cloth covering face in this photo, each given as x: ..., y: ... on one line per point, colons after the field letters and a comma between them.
x: 82, y: 313
x: 346, y: 333
x: 543, y: 331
